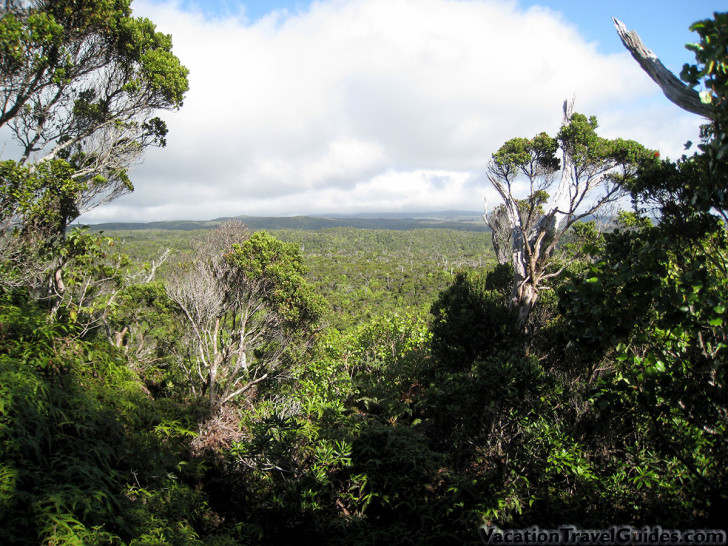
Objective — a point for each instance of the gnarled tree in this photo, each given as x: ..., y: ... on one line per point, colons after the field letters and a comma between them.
x: 80, y: 86
x: 587, y: 175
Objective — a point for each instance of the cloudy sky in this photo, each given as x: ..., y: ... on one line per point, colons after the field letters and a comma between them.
x: 350, y: 106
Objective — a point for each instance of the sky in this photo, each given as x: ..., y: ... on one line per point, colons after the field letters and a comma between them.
x: 362, y: 106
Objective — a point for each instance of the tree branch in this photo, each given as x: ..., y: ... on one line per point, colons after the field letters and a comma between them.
x: 674, y: 89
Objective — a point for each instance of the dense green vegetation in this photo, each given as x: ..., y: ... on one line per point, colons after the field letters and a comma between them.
x: 362, y: 273
x: 343, y: 386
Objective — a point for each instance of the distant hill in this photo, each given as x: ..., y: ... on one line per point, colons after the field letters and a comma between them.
x: 460, y: 220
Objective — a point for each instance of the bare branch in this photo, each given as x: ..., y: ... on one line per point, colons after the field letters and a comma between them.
x: 674, y: 89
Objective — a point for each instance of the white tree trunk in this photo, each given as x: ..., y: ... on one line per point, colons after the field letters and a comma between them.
x: 563, y: 197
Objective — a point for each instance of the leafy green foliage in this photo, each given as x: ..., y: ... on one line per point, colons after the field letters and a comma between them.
x: 369, y: 273
x: 386, y: 358
x: 711, y: 72
x: 388, y: 424
x: 81, y: 83
x: 72, y: 423
x: 654, y: 309
x: 648, y: 320
x: 471, y: 322
x: 528, y: 156
x: 245, y: 310
x: 361, y: 273
x: 279, y: 268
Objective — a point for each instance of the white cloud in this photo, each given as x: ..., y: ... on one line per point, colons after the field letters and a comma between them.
x: 358, y: 105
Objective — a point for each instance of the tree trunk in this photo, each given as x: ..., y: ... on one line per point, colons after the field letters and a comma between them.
x: 523, y: 292
x: 56, y: 289
x: 119, y: 336
x: 528, y: 295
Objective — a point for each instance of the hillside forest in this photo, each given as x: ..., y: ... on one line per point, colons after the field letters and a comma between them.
x: 232, y: 385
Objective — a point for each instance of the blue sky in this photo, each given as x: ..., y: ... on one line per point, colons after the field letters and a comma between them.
x: 253, y: 10
x: 390, y: 105
x: 663, y: 23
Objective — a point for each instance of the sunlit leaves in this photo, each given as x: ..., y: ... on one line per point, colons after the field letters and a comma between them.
x: 711, y: 68
x: 524, y: 156
x: 279, y: 267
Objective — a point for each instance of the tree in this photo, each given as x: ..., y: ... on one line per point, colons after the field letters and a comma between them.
x: 590, y: 174
x: 471, y: 322
x: 707, y: 191
x: 650, y: 315
x: 81, y: 83
x: 246, y: 305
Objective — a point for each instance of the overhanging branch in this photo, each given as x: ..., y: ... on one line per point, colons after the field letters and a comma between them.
x: 674, y: 89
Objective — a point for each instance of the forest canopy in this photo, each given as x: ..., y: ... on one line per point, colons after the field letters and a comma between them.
x: 348, y: 386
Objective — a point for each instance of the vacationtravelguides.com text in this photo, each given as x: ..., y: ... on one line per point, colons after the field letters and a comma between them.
x: 616, y: 534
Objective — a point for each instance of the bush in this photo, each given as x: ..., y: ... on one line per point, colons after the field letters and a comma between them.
x: 471, y: 322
